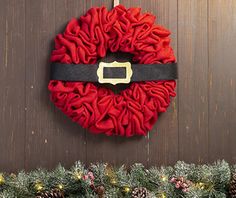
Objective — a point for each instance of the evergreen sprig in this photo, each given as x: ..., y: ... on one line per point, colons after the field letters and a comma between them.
x: 205, y: 181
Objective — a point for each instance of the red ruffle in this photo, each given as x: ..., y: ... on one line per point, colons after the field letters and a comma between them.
x: 135, y: 110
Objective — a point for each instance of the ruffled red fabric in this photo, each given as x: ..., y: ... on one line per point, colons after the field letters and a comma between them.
x: 135, y: 110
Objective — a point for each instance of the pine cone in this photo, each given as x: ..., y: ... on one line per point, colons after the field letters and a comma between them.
x: 232, y: 186
x: 140, y: 192
x: 51, y: 194
x: 100, y: 190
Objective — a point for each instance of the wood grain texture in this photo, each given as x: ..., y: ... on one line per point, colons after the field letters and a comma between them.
x: 193, y: 80
x: 74, y: 147
x: 41, y: 134
x: 163, y: 139
x: 199, y: 126
x: 12, y: 84
x: 222, y: 80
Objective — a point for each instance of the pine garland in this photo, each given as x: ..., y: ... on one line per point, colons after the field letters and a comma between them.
x: 104, y: 181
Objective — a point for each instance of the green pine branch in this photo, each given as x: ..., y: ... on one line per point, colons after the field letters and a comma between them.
x: 202, y: 181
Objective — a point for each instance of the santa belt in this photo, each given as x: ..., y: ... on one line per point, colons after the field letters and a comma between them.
x: 113, y: 73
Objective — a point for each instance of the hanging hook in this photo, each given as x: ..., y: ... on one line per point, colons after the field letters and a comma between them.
x: 116, y: 3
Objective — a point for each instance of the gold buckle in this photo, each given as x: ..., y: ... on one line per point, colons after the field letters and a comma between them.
x: 114, y: 81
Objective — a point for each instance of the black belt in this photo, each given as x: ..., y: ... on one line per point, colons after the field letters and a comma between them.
x: 114, y: 72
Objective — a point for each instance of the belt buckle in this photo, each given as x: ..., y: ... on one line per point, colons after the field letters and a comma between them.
x: 114, y: 81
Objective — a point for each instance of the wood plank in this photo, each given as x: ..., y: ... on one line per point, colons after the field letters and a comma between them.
x: 163, y: 139
x: 193, y: 79
x: 49, y: 132
x: 71, y: 134
x: 12, y: 81
x: 222, y: 82
x: 41, y: 130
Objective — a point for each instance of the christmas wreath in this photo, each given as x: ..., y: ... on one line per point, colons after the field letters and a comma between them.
x: 134, y: 110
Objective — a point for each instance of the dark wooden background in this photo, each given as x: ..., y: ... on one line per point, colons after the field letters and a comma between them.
x: 200, y: 125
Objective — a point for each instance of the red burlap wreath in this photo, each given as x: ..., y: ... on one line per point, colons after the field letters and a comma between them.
x: 134, y: 110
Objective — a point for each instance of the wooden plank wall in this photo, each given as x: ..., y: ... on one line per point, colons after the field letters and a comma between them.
x: 199, y: 126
